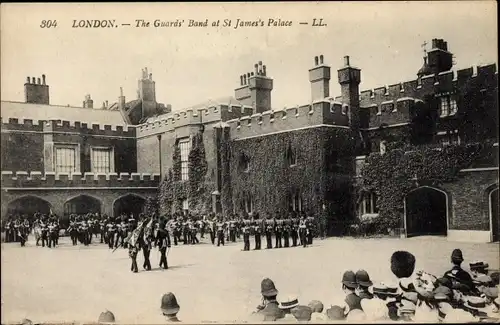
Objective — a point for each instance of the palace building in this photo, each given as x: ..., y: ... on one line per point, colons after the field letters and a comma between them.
x: 240, y: 154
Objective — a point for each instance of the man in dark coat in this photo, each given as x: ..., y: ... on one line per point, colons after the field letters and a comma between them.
x: 270, y: 310
x: 163, y: 243
x: 461, y: 279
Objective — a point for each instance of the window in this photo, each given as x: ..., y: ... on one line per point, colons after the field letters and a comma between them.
x: 185, y: 147
x: 345, y: 109
x: 102, y: 160
x: 447, y: 106
x: 291, y: 157
x: 383, y: 147
x: 66, y: 159
x: 369, y: 203
x: 185, y: 205
x: 296, y: 202
x: 244, y: 163
x: 450, y: 137
x: 69, y: 208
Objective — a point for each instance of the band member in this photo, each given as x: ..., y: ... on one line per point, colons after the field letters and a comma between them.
x: 269, y: 233
x: 220, y: 231
x: 192, y: 232
x: 23, y: 232
x: 278, y: 232
x: 73, y: 230
x: 212, y: 230
x: 232, y: 230
x: 257, y: 228
x: 44, y: 232
x: 111, y: 233
x: 185, y: 232
x: 37, y: 230
x: 102, y: 229
x: 287, y: 228
x: 246, y: 234
x: 294, y: 231
x: 146, y: 243
x: 133, y: 249
x: 310, y: 227
x: 163, y: 242
x: 52, y: 234
x: 303, y: 231
x: 201, y: 225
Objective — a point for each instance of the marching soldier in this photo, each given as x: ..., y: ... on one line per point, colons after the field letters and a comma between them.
x: 246, y: 234
x: 163, y: 242
x: 102, y: 229
x: 257, y: 228
x: 111, y: 232
x: 133, y: 249
x: 73, y: 230
x: 303, y: 231
x: 295, y: 229
x: 232, y: 230
x: 192, y: 233
x: 220, y: 231
x: 287, y: 228
x: 211, y: 229
x: 146, y: 243
x: 44, y: 232
x: 23, y: 232
x: 269, y: 232
x: 310, y: 227
x: 278, y: 232
x: 52, y: 234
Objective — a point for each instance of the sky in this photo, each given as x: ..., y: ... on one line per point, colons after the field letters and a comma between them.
x: 193, y: 65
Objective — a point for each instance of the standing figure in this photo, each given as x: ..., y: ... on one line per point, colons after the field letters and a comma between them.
x: 73, y: 230
x: 185, y: 232
x: 303, y: 231
x: 287, y: 228
x: 192, y: 233
x: 8, y: 231
x: 294, y: 231
x: 133, y: 249
x: 111, y: 233
x: 246, y: 234
x: 23, y: 232
x: 269, y: 233
x: 310, y: 227
x: 52, y: 234
x: 212, y: 230
x: 146, y: 243
x: 44, y: 232
x: 278, y: 232
x: 163, y: 243
x: 220, y: 231
x: 232, y: 230
x: 37, y: 230
x: 257, y: 230
x: 102, y: 229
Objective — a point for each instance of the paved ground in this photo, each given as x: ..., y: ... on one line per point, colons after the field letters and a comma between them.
x: 212, y: 283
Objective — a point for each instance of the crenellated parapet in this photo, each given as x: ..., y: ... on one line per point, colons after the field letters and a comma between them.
x: 206, y: 115
x: 68, y: 127
x: 37, y: 180
x: 445, y: 81
x: 318, y: 113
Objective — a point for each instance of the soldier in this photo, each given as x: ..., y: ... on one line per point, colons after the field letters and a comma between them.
x: 163, y: 242
x: 211, y: 228
x: 201, y: 225
x: 220, y: 231
x: 8, y: 230
x: 52, y: 234
x: 246, y: 234
x: 23, y: 232
x: 295, y: 229
x: 37, y: 229
x: 44, y: 232
x: 287, y: 228
x: 303, y: 231
x: 73, y: 229
x: 16, y: 230
x: 257, y: 228
x: 269, y: 232
x: 185, y: 231
x: 102, y: 228
x: 232, y: 230
x: 111, y: 232
x: 133, y: 249
x: 278, y: 226
x: 310, y: 226
x: 192, y: 232
x: 146, y: 243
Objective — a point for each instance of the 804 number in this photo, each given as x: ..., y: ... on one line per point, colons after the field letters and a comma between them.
x: 48, y: 23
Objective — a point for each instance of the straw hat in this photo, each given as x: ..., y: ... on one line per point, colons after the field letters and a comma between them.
x: 289, y: 303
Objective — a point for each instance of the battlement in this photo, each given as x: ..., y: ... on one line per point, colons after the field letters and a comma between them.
x: 442, y: 82
x: 388, y: 112
x: 321, y: 112
x: 36, y: 179
x: 209, y: 114
x: 61, y: 126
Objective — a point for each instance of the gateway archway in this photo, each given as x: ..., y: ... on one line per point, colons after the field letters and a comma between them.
x: 129, y: 204
x: 426, y: 212
x: 493, y: 198
x: 82, y: 204
x: 27, y: 206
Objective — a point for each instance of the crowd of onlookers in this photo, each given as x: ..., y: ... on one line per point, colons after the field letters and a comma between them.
x: 458, y: 296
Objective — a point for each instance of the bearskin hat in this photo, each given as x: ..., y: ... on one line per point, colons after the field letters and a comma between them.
x: 402, y: 264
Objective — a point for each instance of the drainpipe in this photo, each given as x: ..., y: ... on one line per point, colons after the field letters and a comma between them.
x: 159, y: 156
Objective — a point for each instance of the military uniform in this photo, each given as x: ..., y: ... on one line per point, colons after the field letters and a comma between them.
x: 269, y: 232
x: 44, y: 232
x: 111, y: 233
x: 73, y: 232
x: 220, y: 232
x: 287, y: 227
x: 279, y: 233
x: 232, y: 230
x: 294, y: 231
x: 246, y: 234
x: 163, y: 242
x: 211, y: 229
x: 310, y: 226
x: 257, y: 228
x: 303, y: 232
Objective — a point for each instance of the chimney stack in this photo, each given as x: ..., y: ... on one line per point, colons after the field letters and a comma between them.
x: 255, y: 89
x: 438, y: 57
x: 36, y: 92
x: 88, y: 102
x: 147, y: 93
x: 349, y: 80
x: 346, y: 61
x: 319, y: 76
x: 121, y: 100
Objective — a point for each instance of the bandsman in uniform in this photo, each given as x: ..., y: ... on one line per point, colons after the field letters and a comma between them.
x: 52, y: 228
x: 220, y: 226
x: 73, y: 229
x: 310, y: 225
x: 146, y: 241
x: 111, y: 232
x: 278, y: 232
x: 8, y: 231
x: 303, y: 231
x: 102, y: 228
x: 23, y: 232
x: 246, y: 234
x: 269, y: 224
x: 295, y: 230
x: 44, y: 231
x: 232, y: 230
x: 211, y: 228
x: 133, y: 250
x: 163, y: 243
x: 16, y: 230
x: 287, y: 228
x: 36, y: 228
x: 257, y: 230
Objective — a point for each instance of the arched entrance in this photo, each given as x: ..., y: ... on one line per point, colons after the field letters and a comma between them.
x: 27, y: 206
x: 426, y: 211
x: 129, y: 204
x: 82, y: 204
x: 494, y: 215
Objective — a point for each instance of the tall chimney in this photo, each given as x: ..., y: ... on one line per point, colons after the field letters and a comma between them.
x: 319, y: 76
x: 260, y: 87
x: 349, y: 80
x: 88, y: 102
x: 121, y: 100
x: 36, y: 92
x: 438, y: 57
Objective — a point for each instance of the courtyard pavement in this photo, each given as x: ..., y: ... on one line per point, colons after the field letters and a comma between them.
x: 211, y: 283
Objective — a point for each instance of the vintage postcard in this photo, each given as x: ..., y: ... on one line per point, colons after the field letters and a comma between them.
x: 249, y: 162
